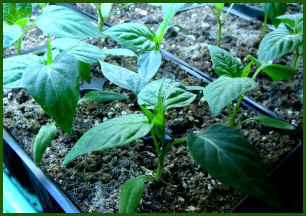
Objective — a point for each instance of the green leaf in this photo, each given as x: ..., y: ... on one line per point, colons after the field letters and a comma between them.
x: 110, y: 134
x: 173, y: 94
x: 11, y: 33
x: 147, y: 113
x: 132, y: 36
x: 85, y: 71
x: 219, y: 7
x: 228, y: 156
x: 102, y: 96
x: 49, y: 52
x: 271, y: 122
x: 246, y: 70
x: 120, y: 52
x: 273, y: 10
x: 55, y: 88
x: 276, y: 44
x: 294, y: 20
x: 17, y: 13
x: 65, y: 23
x: 14, y: 67
x: 122, y: 77
x: 224, y: 63
x: 224, y: 90
x: 43, y: 139
x: 148, y: 64
x: 106, y: 9
x: 81, y: 50
x: 130, y: 194
x: 279, y: 72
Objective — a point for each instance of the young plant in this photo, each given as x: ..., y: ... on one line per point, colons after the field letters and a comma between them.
x: 272, y: 10
x: 220, y: 20
x: 286, y: 38
x: 103, y: 10
x: 220, y: 150
x: 234, y: 83
x: 54, y: 20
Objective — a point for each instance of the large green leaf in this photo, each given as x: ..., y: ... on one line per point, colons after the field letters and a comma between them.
x: 148, y: 64
x: 295, y: 21
x: 120, y: 52
x: 17, y: 13
x: 122, y: 77
x: 14, y: 67
x: 224, y: 90
x: 271, y: 122
x: 55, y: 88
x: 276, y: 44
x: 110, y: 134
x: 11, y: 33
x: 130, y: 194
x: 273, y: 10
x: 224, y: 62
x: 85, y: 71
x: 65, y: 23
x: 43, y: 139
x: 228, y: 156
x: 81, y: 50
x: 278, y: 72
x: 173, y: 94
x: 102, y: 96
x: 132, y: 36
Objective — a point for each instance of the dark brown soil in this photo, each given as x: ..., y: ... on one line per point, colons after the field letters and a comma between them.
x: 93, y: 181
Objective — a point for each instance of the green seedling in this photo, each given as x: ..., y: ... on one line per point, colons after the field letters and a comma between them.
x: 220, y: 150
x: 54, y: 20
x: 104, y: 13
x: 286, y: 38
x: 272, y: 10
x: 220, y: 20
x: 233, y: 82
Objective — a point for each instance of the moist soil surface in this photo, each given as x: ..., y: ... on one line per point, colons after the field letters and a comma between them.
x: 93, y: 181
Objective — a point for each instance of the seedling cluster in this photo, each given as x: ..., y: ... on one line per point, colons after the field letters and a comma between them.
x: 53, y: 81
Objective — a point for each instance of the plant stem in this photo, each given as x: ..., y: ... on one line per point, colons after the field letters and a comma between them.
x: 296, y: 59
x: 219, y: 31
x: 265, y: 26
x: 231, y: 122
x: 100, y: 23
x: 20, y: 39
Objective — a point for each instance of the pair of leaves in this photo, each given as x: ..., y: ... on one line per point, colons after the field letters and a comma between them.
x: 272, y: 10
x: 231, y: 83
x: 148, y: 64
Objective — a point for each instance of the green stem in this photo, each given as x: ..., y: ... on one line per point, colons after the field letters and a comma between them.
x: 231, y: 121
x: 183, y: 139
x: 229, y: 107
x: 296, y: 59
x: 20, y: 39
x: 155, y: 142
x: 219, y: 31
x: 100, y: 24
x: 265, y: 25
x: 242, y: 122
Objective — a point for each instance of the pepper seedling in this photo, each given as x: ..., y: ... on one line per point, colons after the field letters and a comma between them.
x: 220, y: 20
x: 220, y: 150
x: 272, y: 10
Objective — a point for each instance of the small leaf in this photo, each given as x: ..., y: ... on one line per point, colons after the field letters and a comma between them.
x: 62, y: 22
x: 102, y: 96
x: 224, y: 63
x: 294, y: 20
x: 84, y: 71
x: 279, y: 72
x: 81, y: 50
x: 132, y: 36
x: 106, y: 9
x: 120, y: 52
x: 273, y: 10
x: 43, y: 139
x: 173, y: 94
x: 271, y: 122
x: 110, y: 134
x: 219, y: 7
x: 14, y: 67
x: 224, y: 90
x: 246, y: 70
x: 130, y: 194
x: 276, y: 44
x: 228, y: 156
x: 55, y: 88
x: 11, y: 33
x: 122, y: 77
x: 148, y: 64
x: 17, y: 13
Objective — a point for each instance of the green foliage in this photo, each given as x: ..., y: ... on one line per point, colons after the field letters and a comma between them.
x: 55, y: 88
x: 224, y: 153
x: 110, y: 134
x: 11, y: 33
x: 43, y: 139
x: 130, y: 194
x: 272, y: 10
x: 17, y: 13
x: 148, y: 64
x: 271, y: 122
x: 64, y: 23
x: 102, y: 96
